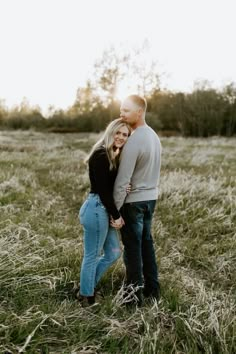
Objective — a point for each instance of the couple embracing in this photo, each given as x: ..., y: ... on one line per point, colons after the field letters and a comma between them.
x: 124, y: 170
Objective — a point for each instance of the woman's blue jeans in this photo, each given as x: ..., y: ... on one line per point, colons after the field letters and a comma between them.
x: 101, y: 243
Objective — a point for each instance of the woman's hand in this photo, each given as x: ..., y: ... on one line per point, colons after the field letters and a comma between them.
x: 118, y: 223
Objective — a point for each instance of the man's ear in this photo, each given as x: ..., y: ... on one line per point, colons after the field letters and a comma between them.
x: 140, y: 112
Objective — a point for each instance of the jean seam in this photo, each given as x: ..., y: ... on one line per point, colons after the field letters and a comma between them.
x: 96, y: 251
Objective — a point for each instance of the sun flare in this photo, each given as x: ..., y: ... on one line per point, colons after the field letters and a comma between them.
x: 124, y: 90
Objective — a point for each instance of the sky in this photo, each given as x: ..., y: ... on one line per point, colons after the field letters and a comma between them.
x: 48, y: 47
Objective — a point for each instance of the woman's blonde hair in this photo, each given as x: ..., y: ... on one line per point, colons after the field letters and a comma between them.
x: 107, y: 140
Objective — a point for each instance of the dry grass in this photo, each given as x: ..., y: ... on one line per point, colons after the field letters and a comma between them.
x: 43, y: 182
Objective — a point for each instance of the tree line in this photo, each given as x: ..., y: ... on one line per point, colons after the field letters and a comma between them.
x: 204, y: 112
x: 201, y: 113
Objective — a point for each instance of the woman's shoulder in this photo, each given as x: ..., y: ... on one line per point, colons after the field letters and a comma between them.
x: 99, y: 154
x: 100, y: 151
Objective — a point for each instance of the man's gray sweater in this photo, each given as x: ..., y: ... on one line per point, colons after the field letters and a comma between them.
x: 140, y: 165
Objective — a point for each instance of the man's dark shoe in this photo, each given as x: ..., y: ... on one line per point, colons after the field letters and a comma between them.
x: 153, y: 294
x: 135, y: 301
x: 133, y: 297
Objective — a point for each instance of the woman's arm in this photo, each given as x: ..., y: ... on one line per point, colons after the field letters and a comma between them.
x: 103, y: 181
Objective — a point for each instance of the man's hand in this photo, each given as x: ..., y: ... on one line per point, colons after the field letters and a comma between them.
x: 118, y: 223
x: 128, y: 189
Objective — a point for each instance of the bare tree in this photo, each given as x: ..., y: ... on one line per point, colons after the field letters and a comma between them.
x: 131, y: 66
x: 144, y: 71
x: 109, y: 71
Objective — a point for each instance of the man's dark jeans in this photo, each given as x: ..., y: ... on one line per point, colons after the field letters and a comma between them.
x: 139, y: 253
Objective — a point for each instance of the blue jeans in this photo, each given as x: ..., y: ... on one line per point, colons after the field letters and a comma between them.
x: 139, y: 253
x: 101, y: 243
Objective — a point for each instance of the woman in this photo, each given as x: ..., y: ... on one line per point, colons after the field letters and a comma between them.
x: 99, y: 208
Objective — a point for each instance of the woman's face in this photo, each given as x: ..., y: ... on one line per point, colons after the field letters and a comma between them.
x: 121, y: 136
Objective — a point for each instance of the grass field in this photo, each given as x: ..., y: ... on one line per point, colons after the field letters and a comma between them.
x: 43, y: 182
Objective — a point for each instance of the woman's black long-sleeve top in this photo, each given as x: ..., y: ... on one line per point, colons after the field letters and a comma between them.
x: 102, y: 180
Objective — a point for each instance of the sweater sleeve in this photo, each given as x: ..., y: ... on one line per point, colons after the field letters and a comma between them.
x: 127, y: 165
x: 104, y: 185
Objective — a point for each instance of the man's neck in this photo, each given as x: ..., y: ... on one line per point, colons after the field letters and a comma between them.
x: 139, y: 124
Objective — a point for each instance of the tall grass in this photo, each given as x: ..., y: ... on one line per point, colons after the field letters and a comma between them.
x: 43, y: 182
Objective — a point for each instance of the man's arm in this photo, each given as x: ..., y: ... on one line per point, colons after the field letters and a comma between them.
x: 127, y: 165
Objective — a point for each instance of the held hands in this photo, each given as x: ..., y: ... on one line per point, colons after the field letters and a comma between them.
x: 128, y: 189
x: 118, y: 223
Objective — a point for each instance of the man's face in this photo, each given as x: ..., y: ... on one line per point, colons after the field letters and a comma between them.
x: 130, y: 113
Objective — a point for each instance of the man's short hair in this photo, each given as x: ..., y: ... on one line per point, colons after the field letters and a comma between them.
x: 139, y: 101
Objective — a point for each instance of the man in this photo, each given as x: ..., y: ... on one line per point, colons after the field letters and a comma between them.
x: 140, y: 167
